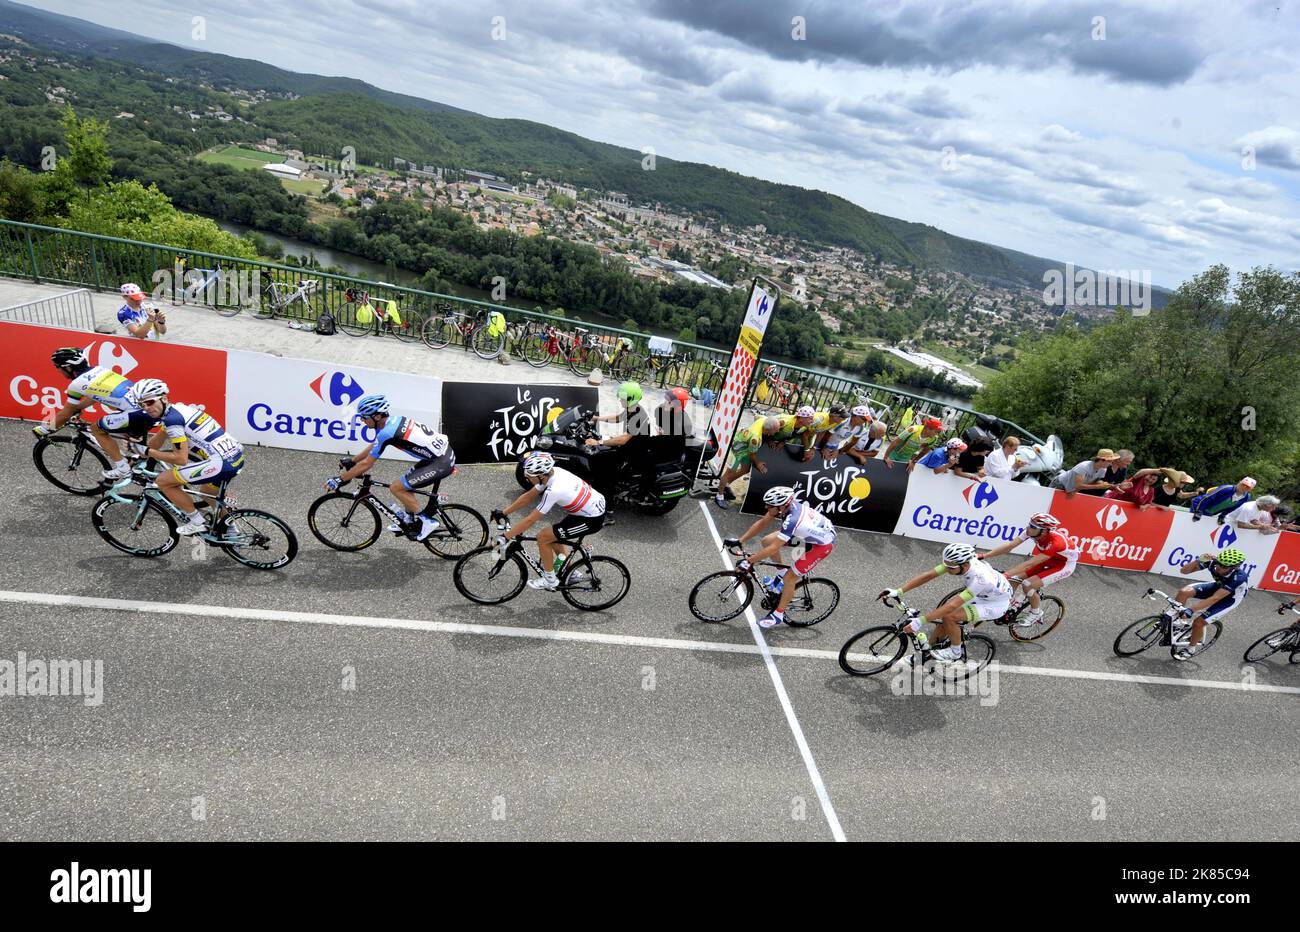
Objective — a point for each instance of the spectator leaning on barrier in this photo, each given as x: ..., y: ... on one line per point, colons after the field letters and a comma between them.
x: 944, y: 458
x: 1117, y: 472
x: 1140, y: 491
x: 913, y: 442
x: 1003, y: 463
x: 1169, y: 491
x: 1222, y: 500
x: 1090, y: 474
x: 1284, y: 518
x: 872, y: 443
x: 141, y: 318
x: 1258, y: 515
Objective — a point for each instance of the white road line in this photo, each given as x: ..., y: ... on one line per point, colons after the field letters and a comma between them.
x: 828, y: 809
x: 541, y: 634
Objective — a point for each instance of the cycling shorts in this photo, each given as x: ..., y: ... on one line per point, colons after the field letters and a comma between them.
x: 430, y: 471
x: 1053, y: 574
x: 214, y: 470
x: 811, y: 557
x: 135, y: 424
x: 988, y: 609
x: 742, y: 448
x: 1223, y: 606
x: 575, y: 526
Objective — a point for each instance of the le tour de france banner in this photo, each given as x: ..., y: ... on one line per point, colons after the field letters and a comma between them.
x: 727, y: 407
x: 866, y: 496
x: 35, y: 389
x: 494, y: 422
x: 301, y: 404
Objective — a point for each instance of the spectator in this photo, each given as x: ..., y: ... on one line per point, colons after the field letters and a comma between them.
x: 913, y: 442
x: 846, y: 434
x: 873, y: 444
x: 1003, y: 463
x: 1258, y: 515
x: 671, y: 417
x: 1169, y: 491
x: 970, y: 462
x: 1090, y: 474
x: 1117, y: 473
x: 141, y: 318
x: 1284, y: 517
x: 946, y: 457
x: 1140, y: 491
x: 1222, y: 500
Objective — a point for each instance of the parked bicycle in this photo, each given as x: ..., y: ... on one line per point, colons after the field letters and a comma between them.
x: 547, y: 345
x: 775, y: 392
x: 664, y: 369
x: 1283, y: 640
x: 352, y: 521
x: 376, y: 315
x: 724, y: 595
x: 879, y: 648
x: 75, y: 463
x: 1159, y: 629
x: 588, y: 352
x: 1053, y: 613
x: 144, y: 524
x: 481, y: 331
x: 214, y: 288
x: 280, y: 298
x: 590, y: 582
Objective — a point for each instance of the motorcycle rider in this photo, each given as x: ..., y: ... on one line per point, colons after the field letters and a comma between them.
x: 635, y: 421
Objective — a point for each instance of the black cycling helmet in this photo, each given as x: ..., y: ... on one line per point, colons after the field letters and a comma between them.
x: 69, y: 357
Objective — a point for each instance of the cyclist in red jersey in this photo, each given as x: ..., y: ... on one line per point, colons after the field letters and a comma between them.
x: 1052, y: 560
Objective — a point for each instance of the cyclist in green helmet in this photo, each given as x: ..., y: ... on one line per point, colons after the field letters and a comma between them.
x: 1229, y: 581
x: 633, y: 417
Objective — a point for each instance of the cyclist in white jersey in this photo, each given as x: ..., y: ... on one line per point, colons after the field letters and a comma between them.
x: 188, y: 427
x: 800, y: 523
x: 584, y: 509
x: 987, y: 595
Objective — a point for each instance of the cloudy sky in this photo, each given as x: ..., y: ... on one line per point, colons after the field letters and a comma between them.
x: 1151, y: 135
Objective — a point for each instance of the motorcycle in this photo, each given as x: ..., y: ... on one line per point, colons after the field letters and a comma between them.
x: 1042, y: 461
x: 646, y: 474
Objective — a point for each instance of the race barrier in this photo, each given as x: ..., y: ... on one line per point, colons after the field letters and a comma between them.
x: 866, y: 497
x: 494, y: 422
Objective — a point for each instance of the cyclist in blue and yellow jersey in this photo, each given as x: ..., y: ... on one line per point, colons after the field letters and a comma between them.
x: 1229, y: 582
x: 99, y: 385
x: 432, y: 449
x: 190, y: 429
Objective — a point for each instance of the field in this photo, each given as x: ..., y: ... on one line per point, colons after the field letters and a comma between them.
x: 236, y: 157
x: 311, y: 187
x: 948, y: 354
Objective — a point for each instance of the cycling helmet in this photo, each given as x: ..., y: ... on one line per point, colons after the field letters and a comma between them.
x: 957, y: 554
x: 681, y: 395
x: 147, y: 390
x: 373, y: 405
x: 1044, y: 520
x: 69, y: 356
x: 629, y: 393
x: 538, y: 463
x: 861, y: 411
x: 840, y: 410
x: 130, y: 290
x: 956, y: 443
x: 1230, y: 557
x: 805, y: 411
x: 778, y: 495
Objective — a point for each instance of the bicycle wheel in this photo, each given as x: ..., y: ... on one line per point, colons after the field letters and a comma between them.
x: 411, y: 328
x: 537, y: 350
x: 71, y: 463
x: 814, y: 600
x: 438, y: 332
x: 483, y: 576
x: 582, y: 360
x: 348, y: 323
x: 1138, y: 636
x: 1208, y: 636
x: 344, y: 522
x: 878, y: 649
x: 146, y: 531
x: 1279, y: 640
x: 485, y: 344
x: 714, y: 597
x: 257, y: 539
x: 592, y: 583
x: 226, y: 310
x: 1053, y: 613
x: 462, y: 530
x: 979, y: 650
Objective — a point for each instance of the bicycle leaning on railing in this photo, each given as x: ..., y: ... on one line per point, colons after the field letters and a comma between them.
x: 144, y: 524
x: 878, y: 648
x: 723, y: 595
x: 279, y: 298
x: 1283, y: 640
x: 476, y: 331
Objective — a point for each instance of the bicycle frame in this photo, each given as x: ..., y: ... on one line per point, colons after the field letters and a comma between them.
x: 221, y: 503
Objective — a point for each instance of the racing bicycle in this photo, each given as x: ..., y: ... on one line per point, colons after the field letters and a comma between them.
x: 352, y: 521
x: 144, y: 524
x: 1158, y: 629
x: 723, y: 595
x: 280, y: 298
x: 664, y: 369
x: 590, y: 582
x: 777, y: 392
x: 877, y: 649
x: 1282, y: 640
x: 75, y: 463
x: 377, y: 317
x: 475, y: 331
x: 1053, y: 614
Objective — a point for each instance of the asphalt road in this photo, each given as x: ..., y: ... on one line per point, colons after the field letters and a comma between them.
x: 359, y: 696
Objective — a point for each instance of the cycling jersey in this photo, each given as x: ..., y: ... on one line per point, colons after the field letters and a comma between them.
x: 1056, y: 547
x: 410, y: 436
x: 983, y: 582
x: 806, y: 524
x: 1236, y: 582
x: 190, y: 423
x: 128, y: 315
x: 571, y: 494
x: 822, y: 421
x: 103, y: 386
x: 911, y: 443
x: 845, y: 433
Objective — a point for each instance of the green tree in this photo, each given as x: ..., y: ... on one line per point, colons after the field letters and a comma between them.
x: 87, y: 159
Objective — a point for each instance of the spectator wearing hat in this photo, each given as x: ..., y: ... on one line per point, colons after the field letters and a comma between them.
x: 1222, y: 500
x: 1090, y: 474
x: 1169, y: 491
x: 1258, y: 515
x: 1003, y: 463
x: 1140, y: 490
x: 912, y: 443
x: 947, y: 457
x: 141, y: 318
x: 1117, y: 472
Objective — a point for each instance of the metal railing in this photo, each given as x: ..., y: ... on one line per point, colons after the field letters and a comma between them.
x: 104, y: 262
x: 74, y: 310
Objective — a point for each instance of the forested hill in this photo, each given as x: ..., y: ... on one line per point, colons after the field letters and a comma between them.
x: 381, y: 124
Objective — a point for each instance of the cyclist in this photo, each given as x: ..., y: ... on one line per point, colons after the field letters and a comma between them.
x: 99, y: 385
x: 584, y: 509
x: 186, y: 426
x: 635, y: 421
x: 744, y: 454
x: 1229, y: 582
x: 430, y: 448
x: 800, y: 522
x: 1052, y: 560
x: 843, y: 436
x: 142, y: 319
x: 987, y: 595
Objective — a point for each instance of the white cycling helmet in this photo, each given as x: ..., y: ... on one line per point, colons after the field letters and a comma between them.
x: 538, y: 463
x: 778, y: 495
x: 805, y: 411
x: 861, y: 411
x: 147, y: 390
x: 957, y: 554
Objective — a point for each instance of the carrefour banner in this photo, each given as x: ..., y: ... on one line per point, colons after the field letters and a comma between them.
x: 985, y: 513
x: 1113, y: 533
x: 1188, y: 539
x: 867, y: 496
x: 302, y: 404
x: 1283, y: 571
